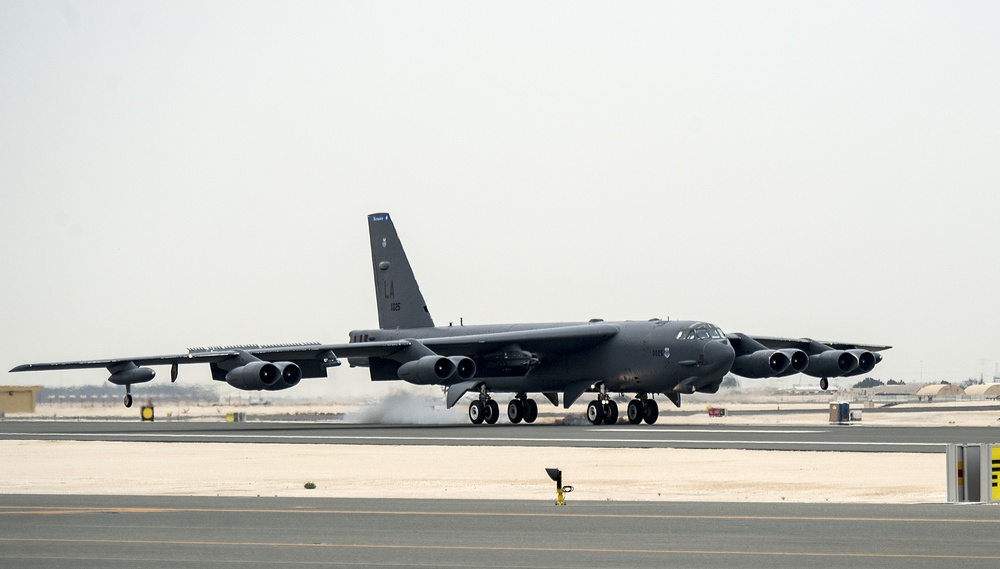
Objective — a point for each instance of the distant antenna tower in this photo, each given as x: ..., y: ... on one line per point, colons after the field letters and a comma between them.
x: 996, y: 374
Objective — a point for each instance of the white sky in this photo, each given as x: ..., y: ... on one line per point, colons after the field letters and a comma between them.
x: 175, y: 174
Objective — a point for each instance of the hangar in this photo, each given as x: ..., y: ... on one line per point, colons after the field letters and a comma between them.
x: 986, y: 391
x: 930, y: 392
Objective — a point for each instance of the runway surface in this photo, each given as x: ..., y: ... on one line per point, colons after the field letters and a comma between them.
x: 854, y: 438
x: 81, y: 532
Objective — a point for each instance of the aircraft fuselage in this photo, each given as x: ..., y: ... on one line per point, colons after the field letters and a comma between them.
x: 653, y: 356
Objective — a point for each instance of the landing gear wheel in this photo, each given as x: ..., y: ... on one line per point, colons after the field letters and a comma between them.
x: 824, y: 384
x: 650, y: 412
x: 530, y: 410
x: 610, y: 413
x: 491, y: 412
x: 476, y: 412
x: 595, y: 412
x: 635, y: 412
x: 128, y: 400
x: 515, y: 411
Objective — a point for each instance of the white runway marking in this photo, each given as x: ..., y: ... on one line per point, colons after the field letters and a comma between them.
x: 471, y: 440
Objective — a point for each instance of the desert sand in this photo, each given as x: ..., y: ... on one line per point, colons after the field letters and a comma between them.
x: 468, y: 473
x: 476, y: 473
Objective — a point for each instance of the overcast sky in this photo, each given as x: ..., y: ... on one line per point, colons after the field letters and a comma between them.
x: 175, y: 174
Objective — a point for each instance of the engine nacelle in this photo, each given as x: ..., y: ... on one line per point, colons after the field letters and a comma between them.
x: 428, y: 370
x: 289, y: 375
x: 254, y: 376
x: 798, y: 362
x: 832, y: 363
x: 132, y: 374
x: 761, y: 364
x: 465, y: 368
x: 866, y: 361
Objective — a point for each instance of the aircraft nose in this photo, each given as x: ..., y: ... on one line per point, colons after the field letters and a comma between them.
x: 719, y: 355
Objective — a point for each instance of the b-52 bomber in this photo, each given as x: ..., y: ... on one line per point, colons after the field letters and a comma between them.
x: 558, y: 360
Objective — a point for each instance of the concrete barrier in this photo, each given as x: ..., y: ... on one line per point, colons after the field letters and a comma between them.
x: 973, y: 472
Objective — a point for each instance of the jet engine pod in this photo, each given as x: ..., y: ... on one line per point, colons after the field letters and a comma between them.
x: 289, y: 376
x: 798, y: 359
x: 866, y: 361
x: 428, y: 370
x: 254, y: 376
x: 761, y: 364
x: 832, y: 363
x: 132, y: 374
x: 465, y: 368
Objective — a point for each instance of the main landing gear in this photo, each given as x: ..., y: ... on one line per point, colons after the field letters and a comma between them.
x: 602, y: 409
x: 484, y: 409
x: 642, y: 409
x: 522, y: 409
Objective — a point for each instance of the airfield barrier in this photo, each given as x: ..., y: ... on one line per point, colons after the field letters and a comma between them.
x: 973, y: 471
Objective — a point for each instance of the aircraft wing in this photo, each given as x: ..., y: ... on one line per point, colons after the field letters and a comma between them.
x: 311, y: 357
x: 775, y: 343
x: 306, y: 354
x: 561, y: 340
x: 143, y: 361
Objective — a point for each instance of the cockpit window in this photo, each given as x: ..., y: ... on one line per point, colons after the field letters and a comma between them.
x: 701, y: 331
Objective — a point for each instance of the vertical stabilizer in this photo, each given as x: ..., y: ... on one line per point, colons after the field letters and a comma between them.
x: 400, y: 304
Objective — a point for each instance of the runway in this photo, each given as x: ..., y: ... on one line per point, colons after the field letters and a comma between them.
x: 847, y: 438
x: 170, y: 530
x: 106, y: 532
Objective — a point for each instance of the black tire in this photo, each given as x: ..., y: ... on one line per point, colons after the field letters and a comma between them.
x: 635, y: 412
x: 128, y: 400
x: 650, y: 411
x: 491, y: 412
x: 824, y: 384
x: 515, y: 411
x: 530, y: 410
x: 611, y: 413
x: 595, y: 413
x: 477, y: 412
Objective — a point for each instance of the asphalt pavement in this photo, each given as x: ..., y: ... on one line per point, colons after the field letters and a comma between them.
x: 81, y: 532
x: 845, y: 438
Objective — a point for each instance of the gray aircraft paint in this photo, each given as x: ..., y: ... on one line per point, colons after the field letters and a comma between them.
x: 565, y: 358
x: 402, y: 307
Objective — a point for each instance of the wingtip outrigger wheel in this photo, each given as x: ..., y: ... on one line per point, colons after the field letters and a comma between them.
x: 128, y: 396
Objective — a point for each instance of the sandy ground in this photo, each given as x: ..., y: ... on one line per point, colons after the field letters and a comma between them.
x: 471, y: 473
x: 467, y: 473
